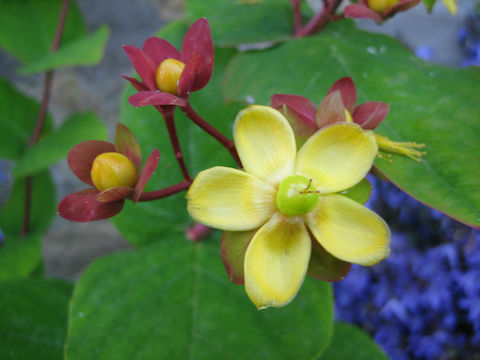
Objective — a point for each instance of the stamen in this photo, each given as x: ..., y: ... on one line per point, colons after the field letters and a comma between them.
x: 406, y: 148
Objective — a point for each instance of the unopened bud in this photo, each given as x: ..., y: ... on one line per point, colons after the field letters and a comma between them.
x: 113, y: 169
x: 168, y: 74
x: 380, y: 6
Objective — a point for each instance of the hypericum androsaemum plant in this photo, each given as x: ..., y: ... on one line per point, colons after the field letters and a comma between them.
x: 293, y: 207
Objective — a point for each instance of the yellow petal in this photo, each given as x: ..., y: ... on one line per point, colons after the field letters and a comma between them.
x: 451, y: 6
x: 230, y: 199
x: 276, y: 261
x: 337, y: 157
x: 349, y: 231
x: 265, y: 143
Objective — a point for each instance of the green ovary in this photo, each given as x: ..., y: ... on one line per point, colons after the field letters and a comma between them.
x: 296, y: 195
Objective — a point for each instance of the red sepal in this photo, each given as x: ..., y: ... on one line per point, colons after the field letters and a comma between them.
x: 198, y: 40
x: 357, y: 11
x: 370, y: 114
x: 160, y: 49
x: 115, y: 194
x: 136, y: 84
x: 302, y: 107
x: 331, y: 110
x: 148, y: 169
x: 80, y: 158
x: 186, y: 82
x: 127, y: 144
x: 233, y: 247
x: 154, y: 97
x: 143, y: 64
x: 347, y: 90
x: 82, y: 206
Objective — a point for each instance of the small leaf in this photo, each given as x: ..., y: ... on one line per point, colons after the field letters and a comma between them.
x: 55, y: 146
x: 18, y: 116
x: 29, y: 27
x: 429, y: 4
x: 80, y: 52
x: 33, y: 315
x: 176, y: 298
x: 350, y: 342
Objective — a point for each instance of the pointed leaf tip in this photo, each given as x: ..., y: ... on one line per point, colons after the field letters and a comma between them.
x: 347, y: 89
x: 148, y: 169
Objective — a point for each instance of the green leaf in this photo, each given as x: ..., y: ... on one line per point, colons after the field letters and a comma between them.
x: 84, y: 51
x: 20, y: 257
x: 430, y: 104
x: 43, y: 206
x: 33, y: 319
x: 55, y: 146
x: 349, y: 342
x: 360, y: 192
x: 429, y: 4
x: 18, y: 116
x: 29, y: 27
x: 173, y: 300
x: 243, y: 21
x: 139, y: 223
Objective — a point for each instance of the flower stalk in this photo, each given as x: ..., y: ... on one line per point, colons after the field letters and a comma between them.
x: 47, y: 90
x: 319, y: 20
x: 209, y: 129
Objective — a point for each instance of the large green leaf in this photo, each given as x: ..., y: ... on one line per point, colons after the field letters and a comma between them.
x: 33, y: 319
x: 55, y: 146
x: 173, y: 300
x: 140, y: 223
x: 430, y: 104
x: 235, y: 22
x: 29, y: 27
x: 18, y: 116
x: 349, y: 342
x: 84, y: 51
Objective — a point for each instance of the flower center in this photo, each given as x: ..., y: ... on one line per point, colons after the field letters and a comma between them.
x: 113, y: 169
x: 296, y: 195
x: 168, y: 74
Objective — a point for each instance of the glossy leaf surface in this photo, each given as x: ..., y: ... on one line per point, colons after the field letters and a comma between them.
x: 350, y: 342
x: 33, y: 319
x: 173, y: 300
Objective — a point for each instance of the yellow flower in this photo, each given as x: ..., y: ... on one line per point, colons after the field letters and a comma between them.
x: 285, y: 194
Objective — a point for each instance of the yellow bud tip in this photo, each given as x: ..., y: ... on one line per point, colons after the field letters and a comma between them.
x: 113, y: 169
x: 380, y: 6
x: 168, y: 74
x: 409, y: 149
x: 348, y: 116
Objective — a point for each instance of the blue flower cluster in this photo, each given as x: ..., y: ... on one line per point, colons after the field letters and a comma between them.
x: 423, y: 301
x: 469, y: 38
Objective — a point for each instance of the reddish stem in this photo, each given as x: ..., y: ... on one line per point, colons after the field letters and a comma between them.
x: 222, y: 139
x: 297, y: 15
x: 162, y: 193
x: 320, y: 19
x: 168, y: 115
x: 47, y: 90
